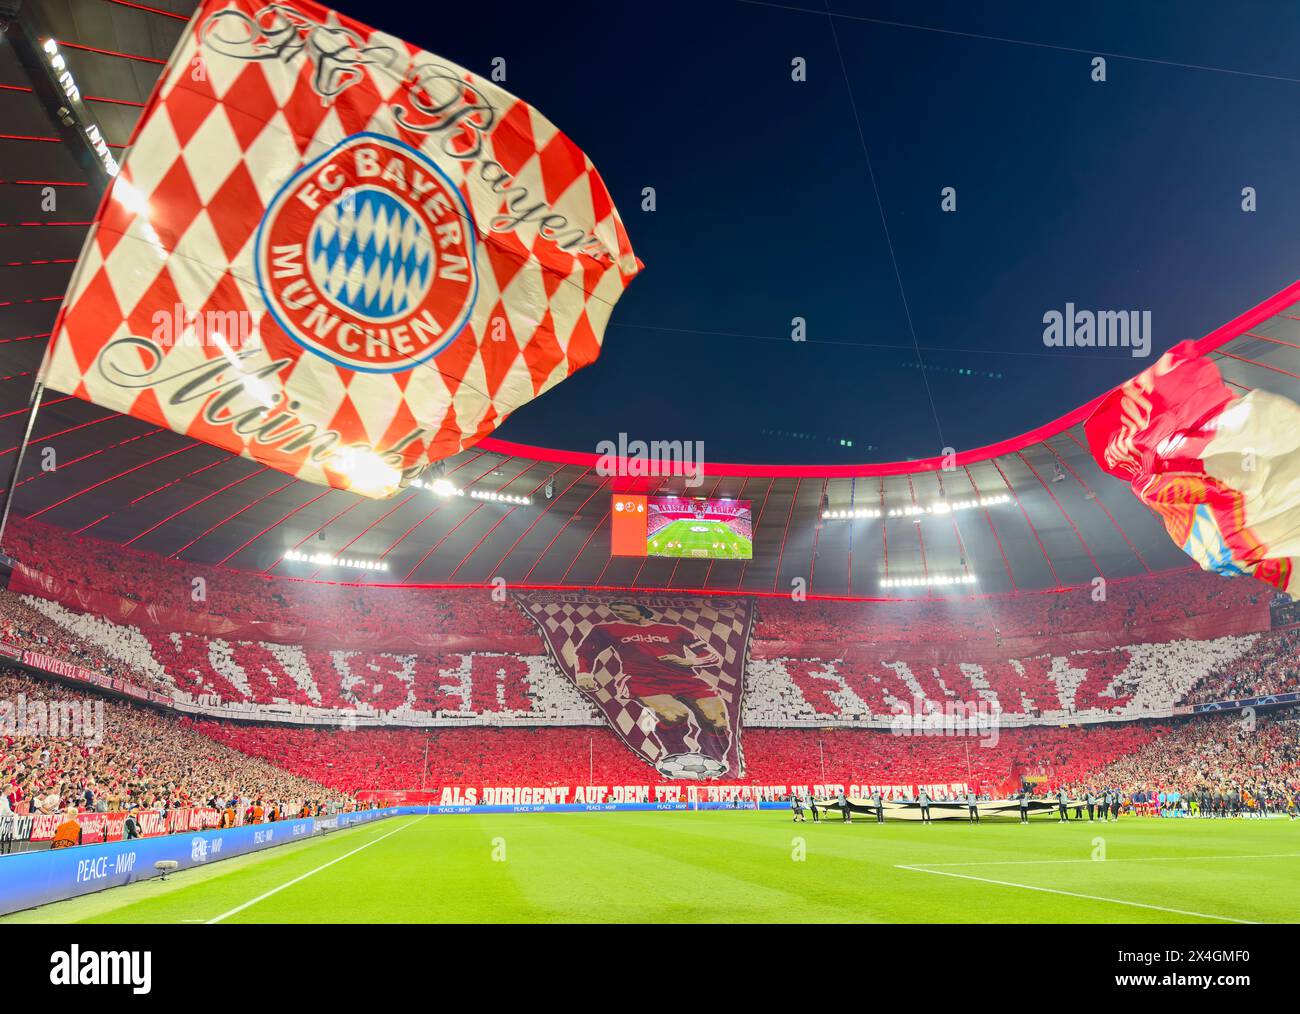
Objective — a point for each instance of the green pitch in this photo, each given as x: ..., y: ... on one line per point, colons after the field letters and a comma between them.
x: 743, y: 866
x: 717, y: 541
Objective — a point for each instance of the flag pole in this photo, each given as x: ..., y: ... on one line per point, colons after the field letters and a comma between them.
x: 33, y: 406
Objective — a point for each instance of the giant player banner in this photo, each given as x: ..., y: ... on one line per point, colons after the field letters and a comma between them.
x: 667, y: 672
x: 1221, y: 469
x: 335, y: 253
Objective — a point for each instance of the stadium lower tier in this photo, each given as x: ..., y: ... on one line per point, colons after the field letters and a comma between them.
x: 61, y: 746
x: 1192, y: 754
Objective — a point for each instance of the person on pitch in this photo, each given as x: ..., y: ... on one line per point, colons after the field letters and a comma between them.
x: 812, y: 805
x: 660, y: 665
x: 843, y: 800
x: 972, y: 807
x: 1062, y: 800
x: 1024, y: 806
x: 879, y: 806
x: 796, y: 804
x: 924, y: 799
x: 1091, y: 798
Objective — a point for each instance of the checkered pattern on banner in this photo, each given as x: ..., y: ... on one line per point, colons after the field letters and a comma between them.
x: 256, y: 106
x: 565, y: 619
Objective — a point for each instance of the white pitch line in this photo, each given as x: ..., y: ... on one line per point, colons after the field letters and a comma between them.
x: 1129, y: 859
x: 1072, y: 894
x: 309, y: 873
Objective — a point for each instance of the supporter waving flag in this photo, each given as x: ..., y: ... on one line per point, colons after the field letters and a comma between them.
x: 335, y: 253
x: 1221, y: 469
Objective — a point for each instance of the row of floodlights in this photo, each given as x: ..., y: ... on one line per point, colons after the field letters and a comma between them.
x: 326, y: 560
x: 929, y: 581
x: 915, y: 510
x: 439, y: 487
x: 445, y: 488
x: 495, y: 497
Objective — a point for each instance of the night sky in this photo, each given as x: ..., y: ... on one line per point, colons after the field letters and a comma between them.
x: 1122, y: 195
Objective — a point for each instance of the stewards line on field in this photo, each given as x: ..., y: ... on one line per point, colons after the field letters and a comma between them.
x: 304, y: 876
x: 1127, y: 859
x: 1073, y: 894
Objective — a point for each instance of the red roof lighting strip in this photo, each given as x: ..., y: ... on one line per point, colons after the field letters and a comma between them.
x: 776, y: 577
x: 1059, y: 506
x: 1043, y: 549
x: 203, y: 499
x: 513, y: 508
x: 992, y: 528
x: 231, y: 517
x: 156, y: 489
x: 1219, y: 336
x: 1095, y: 498
x: 554, y: 501
x: 456, y: 527
x: 111, y: 478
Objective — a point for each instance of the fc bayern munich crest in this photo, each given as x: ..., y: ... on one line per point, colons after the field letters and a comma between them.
x: 366, y: 256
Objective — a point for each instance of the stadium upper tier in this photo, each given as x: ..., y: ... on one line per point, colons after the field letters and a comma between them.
x: 1031, y: 512
x: 440, y: 658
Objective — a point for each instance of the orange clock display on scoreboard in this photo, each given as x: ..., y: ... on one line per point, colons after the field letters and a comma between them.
x: 628, y: 525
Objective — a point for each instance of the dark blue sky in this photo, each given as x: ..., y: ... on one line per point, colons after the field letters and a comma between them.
x: 1121, y: 195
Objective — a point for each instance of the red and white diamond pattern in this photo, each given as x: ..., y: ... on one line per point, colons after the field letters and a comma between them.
x: 565, y: 619
x: 178, y: 228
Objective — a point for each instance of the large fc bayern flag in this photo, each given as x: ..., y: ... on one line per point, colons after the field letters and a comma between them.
x: 1221, y: 469
x: 335, y: 253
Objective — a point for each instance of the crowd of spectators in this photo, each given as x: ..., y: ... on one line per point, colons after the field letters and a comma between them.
x: 120, y: 756
x: 25, y: 627
x: 89, y: 564
x: 1133, y: 681
x: 412, y: 759
x: 130, y: 756
x: 1272, y: 668
x: 1249, y: 756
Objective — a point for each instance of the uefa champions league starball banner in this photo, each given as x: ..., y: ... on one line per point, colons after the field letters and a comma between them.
x: 666, y: 671
x: 335, y: 253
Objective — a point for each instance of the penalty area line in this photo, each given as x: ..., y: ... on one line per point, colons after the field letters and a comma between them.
x: 298, y: 879
x: 1073, y: 894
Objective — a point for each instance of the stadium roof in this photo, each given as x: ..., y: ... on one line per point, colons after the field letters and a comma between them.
x: 1062, y: 522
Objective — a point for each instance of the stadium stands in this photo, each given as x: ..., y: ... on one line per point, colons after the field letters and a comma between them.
x: 137, y: 758
x: 368, y: 759
x: 1257, y: 756
x: 467, y: 679
x: 299, y: 682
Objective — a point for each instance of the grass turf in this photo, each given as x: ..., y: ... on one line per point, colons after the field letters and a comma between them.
x: 718, y: 542
x: 732, y: 867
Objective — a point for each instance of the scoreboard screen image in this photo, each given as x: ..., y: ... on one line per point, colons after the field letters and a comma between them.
x: 682, y: 527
